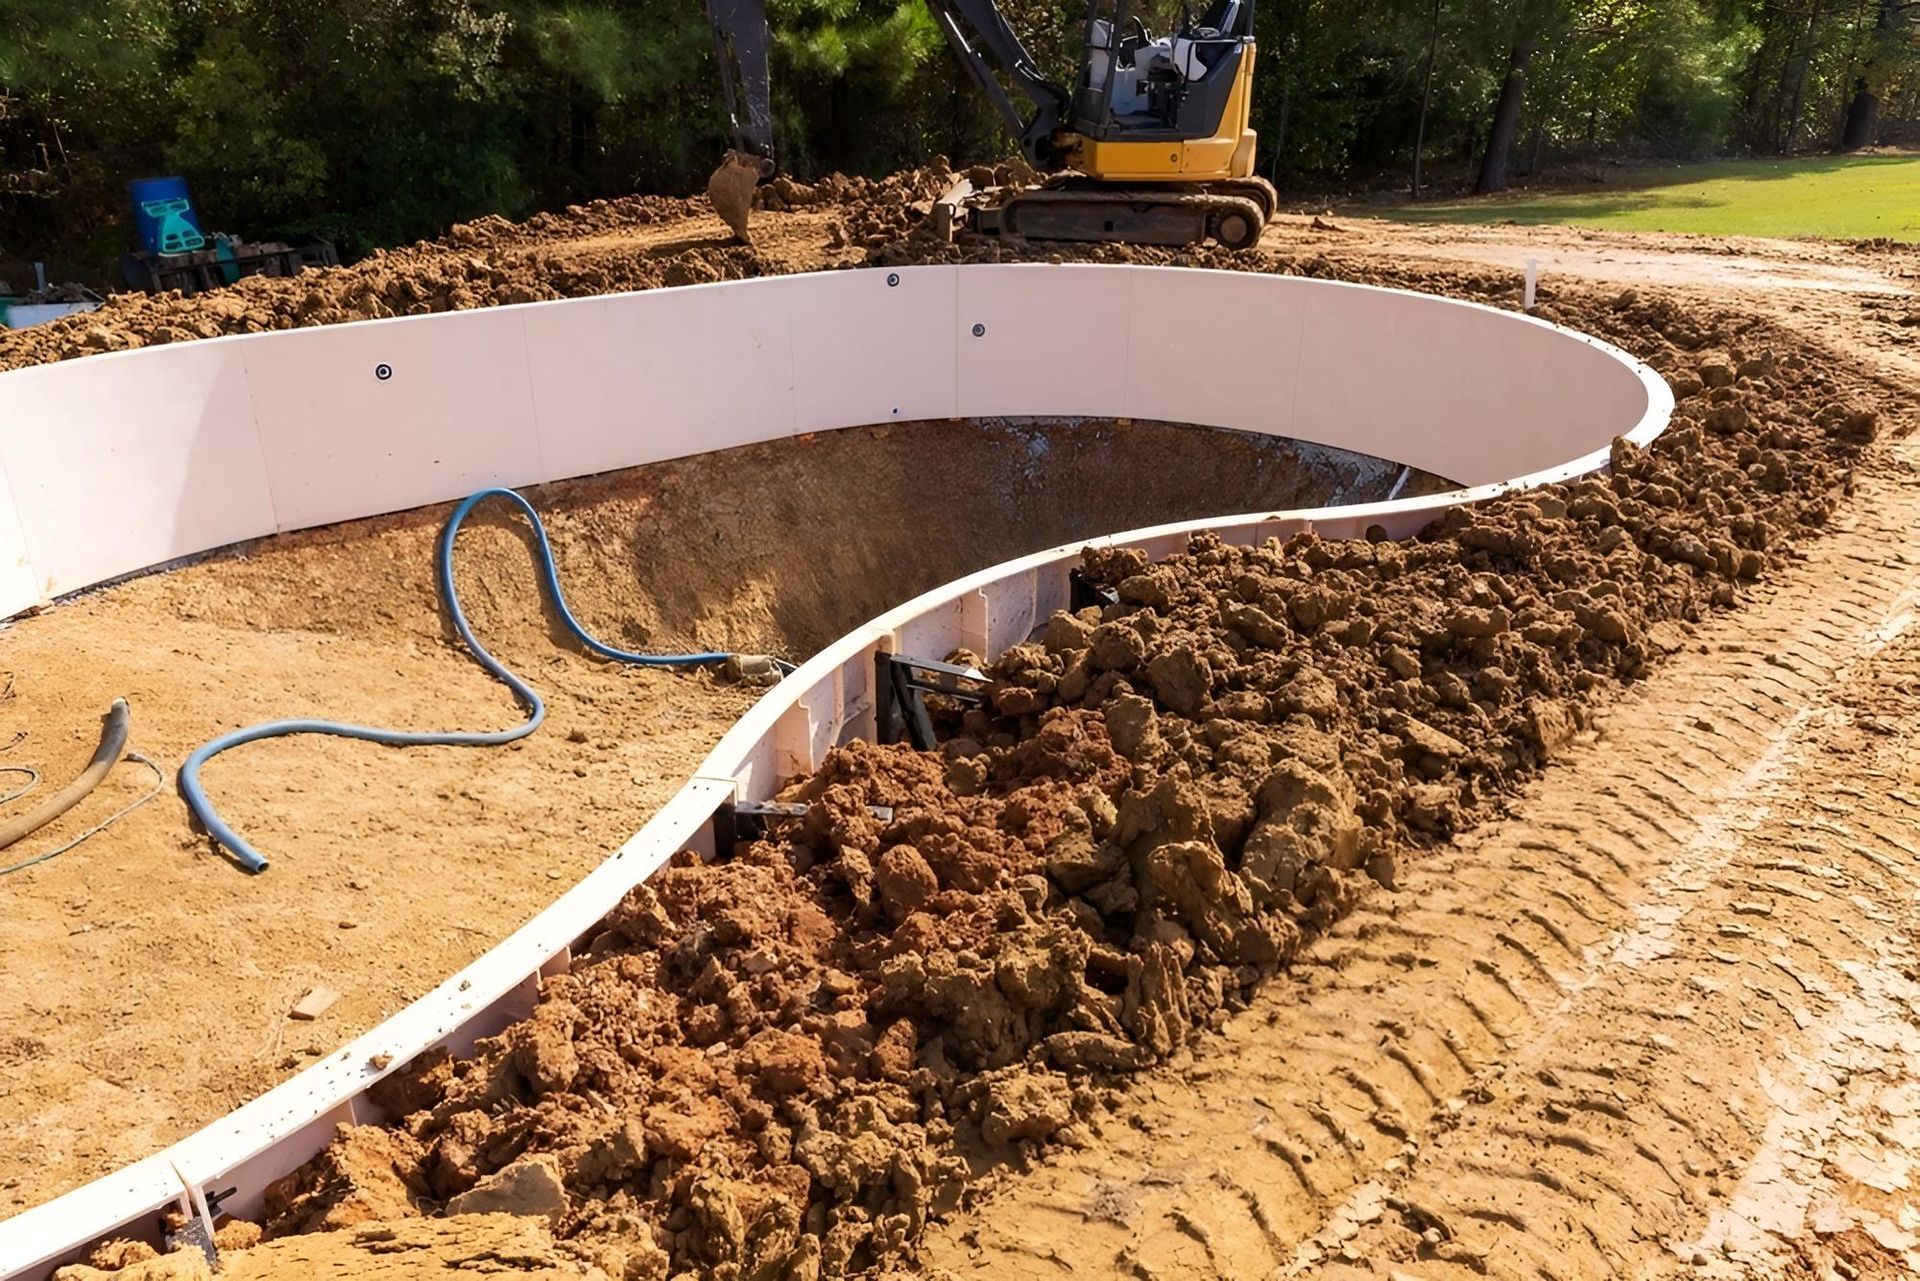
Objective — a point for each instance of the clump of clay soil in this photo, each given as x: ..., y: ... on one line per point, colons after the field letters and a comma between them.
x: 769, y: 1066
x: 870, y: 212
x: 783, y: 1063
x: 730, y: 191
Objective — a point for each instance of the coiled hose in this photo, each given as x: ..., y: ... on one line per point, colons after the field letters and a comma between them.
x: 250, y: 858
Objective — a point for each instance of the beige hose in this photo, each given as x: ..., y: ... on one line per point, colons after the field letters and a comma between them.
x: 113, y: 741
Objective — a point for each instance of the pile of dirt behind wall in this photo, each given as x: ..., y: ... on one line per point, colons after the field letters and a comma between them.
x: 781, y: 1064
x: 605, y: 246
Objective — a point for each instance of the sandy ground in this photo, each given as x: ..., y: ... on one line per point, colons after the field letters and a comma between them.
x: 150, y: 980
x: 1416, y: 1102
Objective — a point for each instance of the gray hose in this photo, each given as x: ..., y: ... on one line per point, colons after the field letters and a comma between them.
x: 113, y: 741
x: 33, y: 781
x: 254, y: 861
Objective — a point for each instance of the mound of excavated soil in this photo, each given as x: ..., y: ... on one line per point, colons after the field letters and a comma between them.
x: 613, y: 246
x: 394, y: 868
x: 782, y: 1064
x: 606, y: 246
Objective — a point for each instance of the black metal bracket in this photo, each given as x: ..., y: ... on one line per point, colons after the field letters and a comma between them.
x: 1082, y: 593
x: 192, y: 1235
x: 900, y: 702
x: 739, y: 821
x: 195, y: 1233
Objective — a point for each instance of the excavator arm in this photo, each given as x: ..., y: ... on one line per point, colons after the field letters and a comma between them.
x: 976, y: 29
x: 981, y: 39
x: 740, y: 47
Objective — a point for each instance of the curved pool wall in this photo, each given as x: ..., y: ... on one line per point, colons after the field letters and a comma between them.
x: 114, y: 464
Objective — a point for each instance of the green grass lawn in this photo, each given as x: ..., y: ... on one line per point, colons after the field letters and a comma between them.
x: 1844, y: 197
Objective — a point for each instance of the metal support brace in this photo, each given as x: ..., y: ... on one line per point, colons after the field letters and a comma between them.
x: 900, y: 707
x: 194, y: 1231
x: 747, y: 821
x: 1082, y: 593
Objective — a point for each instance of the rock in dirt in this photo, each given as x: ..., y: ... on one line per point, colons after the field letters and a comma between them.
x: 1306, y: 819
x: 1191, y: 883
x: 1425, y: 740
x: 751, y: 669
x: 1095, y: 1051
x: 904, y: 881
x: 530, y: 1187
x: 1026, y: 1105
x: 314, y: 1004
x: 237, y: 1234
x: 1179, y: 680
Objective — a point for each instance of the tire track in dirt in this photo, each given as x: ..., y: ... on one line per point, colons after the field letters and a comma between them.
x: 1657, y: 1020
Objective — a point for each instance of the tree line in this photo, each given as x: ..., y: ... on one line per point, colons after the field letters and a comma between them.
x: 378, y: 121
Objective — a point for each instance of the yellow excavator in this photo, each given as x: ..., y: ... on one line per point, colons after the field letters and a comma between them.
x: 1150, y: 146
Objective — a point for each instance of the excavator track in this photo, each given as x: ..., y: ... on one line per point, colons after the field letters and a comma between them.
x: 1231, y: 213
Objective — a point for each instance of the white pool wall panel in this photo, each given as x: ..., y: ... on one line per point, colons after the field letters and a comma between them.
x: 18, y: 589
x: 454, y: 414
x: 124, y: 461
x: 119, y: 462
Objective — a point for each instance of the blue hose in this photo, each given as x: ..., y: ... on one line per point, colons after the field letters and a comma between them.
x: 251, y: 859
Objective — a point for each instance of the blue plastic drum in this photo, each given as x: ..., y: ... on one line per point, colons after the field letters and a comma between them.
x: 163, y: 211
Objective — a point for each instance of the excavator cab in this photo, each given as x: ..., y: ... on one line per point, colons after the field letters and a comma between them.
x: 1169, y: 108
x: 1133, y: 82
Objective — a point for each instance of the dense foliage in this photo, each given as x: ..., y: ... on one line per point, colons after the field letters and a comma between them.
x: 373, y: 121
